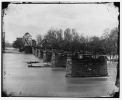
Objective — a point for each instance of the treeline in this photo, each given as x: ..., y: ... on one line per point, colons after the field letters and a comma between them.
x: 69, y: 39
x: 7, y: 44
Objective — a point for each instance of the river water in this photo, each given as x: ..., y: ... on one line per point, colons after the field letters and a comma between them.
x: 19, y: 80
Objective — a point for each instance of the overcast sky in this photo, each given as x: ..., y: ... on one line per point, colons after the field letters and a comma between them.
x: 89, y: 19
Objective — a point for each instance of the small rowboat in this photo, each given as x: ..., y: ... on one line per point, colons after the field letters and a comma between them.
x: 32, y: 62
x: 34, y: 66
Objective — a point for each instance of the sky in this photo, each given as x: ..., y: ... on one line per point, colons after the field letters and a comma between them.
x: 87, y: 19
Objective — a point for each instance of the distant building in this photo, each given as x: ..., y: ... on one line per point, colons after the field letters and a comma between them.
x: 19, y: 39
x: 27, y: 39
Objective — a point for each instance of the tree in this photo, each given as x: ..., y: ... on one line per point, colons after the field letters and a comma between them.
x: 75, y: 40
x: 51, y: 38
x: 67, y: 35
x: 67, y: 39
x: 38, y: 39
x: 82, y: 41
x: 59, y: 38
x: 110, y: 41
x: 18, y: 43
x: 113, y: 37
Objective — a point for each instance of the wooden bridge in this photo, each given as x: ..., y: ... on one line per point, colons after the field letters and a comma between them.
x: 76, y: 66
x: 76, y: 63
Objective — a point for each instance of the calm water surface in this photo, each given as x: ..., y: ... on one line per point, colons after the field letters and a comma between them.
x: 23, y: 81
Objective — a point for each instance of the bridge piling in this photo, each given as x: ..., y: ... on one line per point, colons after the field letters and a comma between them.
x: 83, y: 68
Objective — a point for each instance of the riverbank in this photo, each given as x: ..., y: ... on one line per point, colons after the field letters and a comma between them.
x: 12, y: 50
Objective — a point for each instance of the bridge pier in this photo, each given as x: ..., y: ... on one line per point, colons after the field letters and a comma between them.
x: 41, y: 54
x: 38, y: 55
x: 33, y: 51
x: 79, y: 68
x: 28, y: 49
x: 69, y: 67
x: 75, y: 67
x: 53, y: 60
x: 58, y: 60
x: 47, y: 56
x: 36, y: 52
x: 44, y: 56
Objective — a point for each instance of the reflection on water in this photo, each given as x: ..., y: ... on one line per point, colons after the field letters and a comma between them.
x: 24, y: 81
